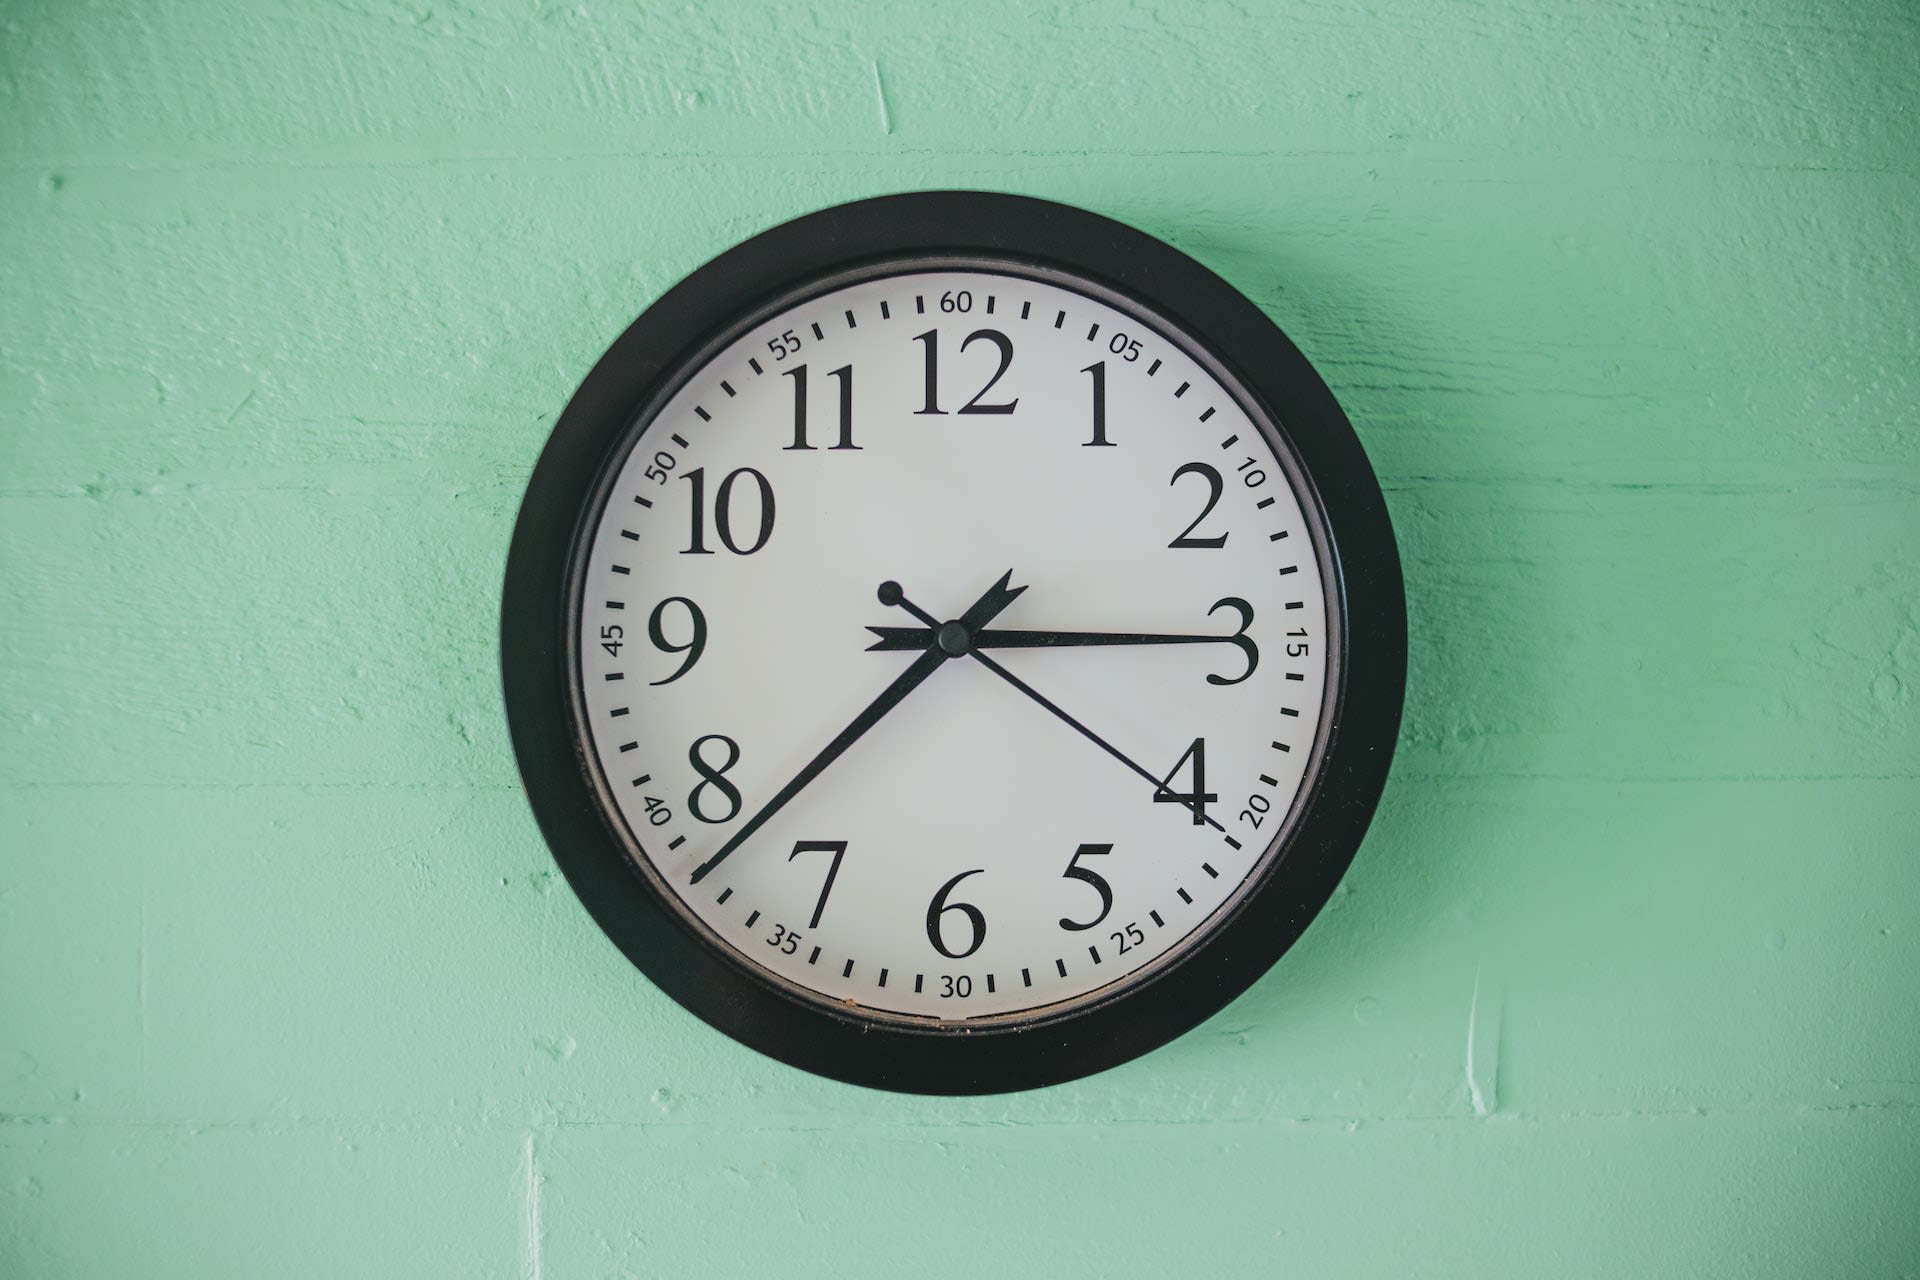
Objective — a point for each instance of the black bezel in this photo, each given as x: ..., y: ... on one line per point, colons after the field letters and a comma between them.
x: 1363, y: 577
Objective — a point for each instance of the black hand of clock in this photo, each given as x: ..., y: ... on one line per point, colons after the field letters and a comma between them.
x: 941, y: 639
x: 897, y: 638
x: 997, y: 598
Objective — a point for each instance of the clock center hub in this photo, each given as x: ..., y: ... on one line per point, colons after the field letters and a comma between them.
x: 953, y: 639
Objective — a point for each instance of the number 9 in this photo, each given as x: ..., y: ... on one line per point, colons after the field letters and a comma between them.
x: 694, y: 646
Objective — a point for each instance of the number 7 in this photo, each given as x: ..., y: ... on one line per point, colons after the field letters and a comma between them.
x: 839, y: 850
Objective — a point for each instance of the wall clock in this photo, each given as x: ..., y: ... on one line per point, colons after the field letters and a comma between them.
x: 953, y: 642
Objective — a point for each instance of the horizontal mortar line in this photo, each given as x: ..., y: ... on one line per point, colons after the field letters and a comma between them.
x: 198, y: 490
x: 193, y: 419
x: 1801, y: 485
x: 415, y: 1129
x: 500, y: 788
x: 1655, y: 779
x: 1452, y: 155
x: 1105, y: 1121
x: 37, y: 167
x: 1360, y: 395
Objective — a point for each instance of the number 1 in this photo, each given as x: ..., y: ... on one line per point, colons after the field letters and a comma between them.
x: 1098, y: 370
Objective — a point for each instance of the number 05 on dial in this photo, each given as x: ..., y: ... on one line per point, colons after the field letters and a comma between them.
x: 953, y: 642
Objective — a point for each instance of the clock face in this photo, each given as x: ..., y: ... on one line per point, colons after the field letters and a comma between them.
x: 1065, y: 794
x: 953, y: 642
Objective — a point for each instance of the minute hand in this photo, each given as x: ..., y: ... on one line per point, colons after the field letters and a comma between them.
x: 893, y: 638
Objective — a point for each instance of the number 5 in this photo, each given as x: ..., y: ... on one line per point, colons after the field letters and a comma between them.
x: 1075, y: 871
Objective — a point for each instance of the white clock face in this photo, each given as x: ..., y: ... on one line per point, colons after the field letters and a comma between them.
x: 1101, y: 673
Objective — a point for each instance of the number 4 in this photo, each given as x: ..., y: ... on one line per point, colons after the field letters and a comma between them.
x: 1197, y: 798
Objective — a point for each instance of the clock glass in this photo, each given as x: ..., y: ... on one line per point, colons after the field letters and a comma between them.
x: 953, y: 642
x: 1079, y: 570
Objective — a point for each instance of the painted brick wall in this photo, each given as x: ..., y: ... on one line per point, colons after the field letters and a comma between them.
x: 1623, y: 300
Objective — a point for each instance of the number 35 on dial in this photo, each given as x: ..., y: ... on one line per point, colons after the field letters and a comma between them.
x: 953, y: 642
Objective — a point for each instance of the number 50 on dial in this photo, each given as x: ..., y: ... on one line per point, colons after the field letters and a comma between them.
x: 953, y: 642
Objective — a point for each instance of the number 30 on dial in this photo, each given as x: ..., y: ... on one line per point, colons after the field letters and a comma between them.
x: 953, y: 642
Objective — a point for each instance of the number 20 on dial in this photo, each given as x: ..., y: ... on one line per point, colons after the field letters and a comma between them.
x: 953, y: 642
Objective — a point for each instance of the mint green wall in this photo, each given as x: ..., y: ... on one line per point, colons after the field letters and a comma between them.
x: 1623, y: 300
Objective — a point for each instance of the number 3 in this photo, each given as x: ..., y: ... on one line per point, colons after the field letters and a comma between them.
x: 1238, y: 639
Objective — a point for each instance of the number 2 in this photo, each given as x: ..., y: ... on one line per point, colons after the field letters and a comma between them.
x: 1186, y: 538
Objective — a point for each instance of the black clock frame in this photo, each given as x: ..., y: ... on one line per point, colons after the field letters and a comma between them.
x: 945, y: 1058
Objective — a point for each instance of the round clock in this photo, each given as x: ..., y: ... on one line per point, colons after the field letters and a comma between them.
x: 953, y: 642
